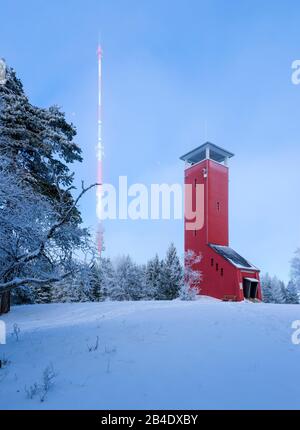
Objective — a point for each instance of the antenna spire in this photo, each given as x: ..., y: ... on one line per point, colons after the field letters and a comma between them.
x: 99, y: 154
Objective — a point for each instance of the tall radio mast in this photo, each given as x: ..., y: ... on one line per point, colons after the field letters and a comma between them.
x: 99, y: 155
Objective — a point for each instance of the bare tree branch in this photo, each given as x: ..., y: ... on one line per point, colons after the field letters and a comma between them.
x: 40, y: 251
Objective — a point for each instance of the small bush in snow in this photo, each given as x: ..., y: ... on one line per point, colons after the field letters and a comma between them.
x: 44, y: 387
x: 92, y: 348
x: 47, y: 381
x: 32, y: 390
x: 16, y: 332
x: 187, y: 293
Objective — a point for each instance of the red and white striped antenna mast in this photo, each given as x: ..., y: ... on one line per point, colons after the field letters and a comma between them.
x: 99, y: 155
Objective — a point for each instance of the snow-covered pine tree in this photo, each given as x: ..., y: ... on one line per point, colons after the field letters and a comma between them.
x: 171, y: 275
x: 95, y: 279
x: 283, y: 290
x: 36, y: 148
x: 43, y: 294
x: 65, y: 291
x: 102, y: 279
x: 292, y: 295
x: 266, y: 286
x: 153, y: 278
x: 129, y: 283
x: 108, y: 279
x: 36, y: 144
x: 295, y: 269
x: 273, y: 289
x: 83, y: 284
x: 278, y: 290
x: 23, y: 296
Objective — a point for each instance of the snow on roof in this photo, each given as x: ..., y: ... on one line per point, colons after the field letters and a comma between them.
x: 233, y: 257
x: 251, y: 279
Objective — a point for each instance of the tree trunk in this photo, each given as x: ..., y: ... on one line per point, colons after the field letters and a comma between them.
x: 4, y: 302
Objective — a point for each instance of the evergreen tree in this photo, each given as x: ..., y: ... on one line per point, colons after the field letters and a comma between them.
x: 23, y: 296
x: 102, y: 279
x: 95, y: 280
x: 172, y: 274
x: 65, y: 291
x: 36, y: 144
x: 295, y: 269
x: 153, y: 278
x: 273, y: 289
x: 278, y: 290
x: 266, y: 286
x: 108, y: 283
x: 36, y: 149
x: 129, y: 283
x: 292, y: 296
x: 43, y: 294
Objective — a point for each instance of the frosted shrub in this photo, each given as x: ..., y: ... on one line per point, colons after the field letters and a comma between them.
x: 187, y: 293
x: 44, y: 387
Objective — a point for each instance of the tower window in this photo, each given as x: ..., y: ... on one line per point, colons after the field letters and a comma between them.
x: 217, y: 267
x: 212, y: 262
x: 218, y: 206
x: 222, y: 271
x: 195, y: 182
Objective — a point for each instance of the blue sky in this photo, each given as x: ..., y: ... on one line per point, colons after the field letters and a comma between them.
x: 170, y: 67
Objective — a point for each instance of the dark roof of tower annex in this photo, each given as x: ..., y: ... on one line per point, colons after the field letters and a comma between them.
x: 233, y: 257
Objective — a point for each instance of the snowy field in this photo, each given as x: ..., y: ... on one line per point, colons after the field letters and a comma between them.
x: 175, y: 355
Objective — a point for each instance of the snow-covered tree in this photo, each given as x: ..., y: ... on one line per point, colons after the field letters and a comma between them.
x: 129, y: 282
x: 42, y: 294
x: 278, y: 290
x: 192, y: 275
x: 36, y: 144
x: 39, y: 224
x: 295, y: 269
x: 37, y: 245
x: 273, y: 289
x: 153, y: 278
x: 266, y: 286
x: 292, y: 295
x: 171, y: 275
x: 102, y: 279
x: 187, y: 293
x: 23, y: 296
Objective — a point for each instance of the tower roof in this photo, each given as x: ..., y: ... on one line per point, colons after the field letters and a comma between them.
x: 207, y: 150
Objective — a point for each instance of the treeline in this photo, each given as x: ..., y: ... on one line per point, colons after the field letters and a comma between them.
x: 119, y: 280
x: 276, y: 291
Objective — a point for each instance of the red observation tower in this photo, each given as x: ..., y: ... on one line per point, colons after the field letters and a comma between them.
x: 226, y: 275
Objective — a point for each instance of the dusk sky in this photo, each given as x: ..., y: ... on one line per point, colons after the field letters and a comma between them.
x: 175, y: 74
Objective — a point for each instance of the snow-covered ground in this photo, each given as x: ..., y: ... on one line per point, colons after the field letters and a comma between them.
x: 175, y: 355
